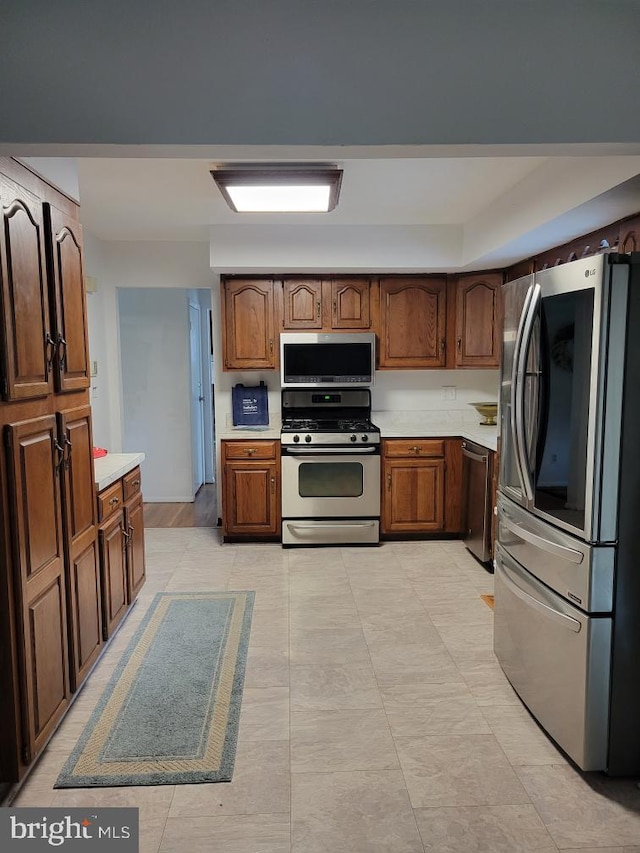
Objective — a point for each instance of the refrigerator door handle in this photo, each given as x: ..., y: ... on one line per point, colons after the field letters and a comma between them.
x: 519, y: 371
x: 568, y: 554
x: 514, y: 386
x: 550, y: 612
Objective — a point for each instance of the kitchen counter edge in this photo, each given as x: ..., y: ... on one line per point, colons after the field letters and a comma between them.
x: 113, y: 466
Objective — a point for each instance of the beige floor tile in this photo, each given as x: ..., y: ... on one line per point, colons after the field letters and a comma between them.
x: 584, y: 810
x: 384, y: 629
x: 418, y: 710
x: 264, y: 714
x: 458, y: 770
x: 266, y: 667
x: 329, y: 645
x: 327, y: 741
x: 318, y: 581
x: 521, y: 738
x: 488, y: 683
x: 412, y: 664
x: 334, y: 687
x: 468, y: 642
x: 263, y: 833
x: 158, y: 796
x: 260, y: 785
x: 371, y: 602
x: 363, y: 812
x: 483, y: 829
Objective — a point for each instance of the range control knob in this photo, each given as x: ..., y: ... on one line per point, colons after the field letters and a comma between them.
x: 307, y: 438
x: 354, y: 438
x: 296, y: 439
x: 364, y: 437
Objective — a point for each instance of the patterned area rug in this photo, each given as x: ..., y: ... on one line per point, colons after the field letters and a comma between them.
x: 170, y: 712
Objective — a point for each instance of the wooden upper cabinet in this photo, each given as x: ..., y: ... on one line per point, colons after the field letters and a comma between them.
x: 478, y: 320
x: 629, y: 240
x: 302, y: 304
x: 27, y: 346
x: 248, y: 325
x: 412, y: 322
x: 66, y: 272
x: 351, y: 303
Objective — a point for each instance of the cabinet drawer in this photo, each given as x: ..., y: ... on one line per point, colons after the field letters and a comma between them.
x: 250, y: 449
x: 132, y: 483
x: 109, y: 501
x: 413, y: 447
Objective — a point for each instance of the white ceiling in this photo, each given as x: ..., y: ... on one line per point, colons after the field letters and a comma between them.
x: 408, y: 211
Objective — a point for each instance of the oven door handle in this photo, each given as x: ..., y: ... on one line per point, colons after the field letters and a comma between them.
x: 329, y: 451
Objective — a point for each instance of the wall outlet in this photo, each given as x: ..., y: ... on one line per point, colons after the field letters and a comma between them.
x: 94, y: 368
x: 448, y: 392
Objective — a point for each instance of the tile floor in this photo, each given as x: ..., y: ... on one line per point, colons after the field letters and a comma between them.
x: 375, y: 718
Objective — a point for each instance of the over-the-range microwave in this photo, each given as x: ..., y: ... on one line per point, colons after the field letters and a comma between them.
x: 317, y: 359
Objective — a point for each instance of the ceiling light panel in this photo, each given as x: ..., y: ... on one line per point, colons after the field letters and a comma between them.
x: 263, y: 190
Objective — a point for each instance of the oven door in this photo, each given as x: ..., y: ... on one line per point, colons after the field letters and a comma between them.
x: 330, y: 482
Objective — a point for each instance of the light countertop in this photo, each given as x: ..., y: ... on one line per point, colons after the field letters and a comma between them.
x: 435, y: 425
x: 414, y: 424
x: 111, y: 467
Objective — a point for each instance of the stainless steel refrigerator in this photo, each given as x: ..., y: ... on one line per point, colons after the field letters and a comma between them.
x: 567, y: 558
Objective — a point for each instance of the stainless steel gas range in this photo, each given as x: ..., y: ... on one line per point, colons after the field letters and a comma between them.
x: 330, y: 467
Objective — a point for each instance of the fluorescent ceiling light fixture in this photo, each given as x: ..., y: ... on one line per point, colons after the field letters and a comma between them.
x: 279, y: 190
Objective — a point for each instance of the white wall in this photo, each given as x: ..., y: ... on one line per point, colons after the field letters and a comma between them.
x: 156, y: 390
x: 117, y: 266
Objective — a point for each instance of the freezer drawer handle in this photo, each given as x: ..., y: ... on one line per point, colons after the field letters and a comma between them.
x: 568, y: 554
x: 550, y: 612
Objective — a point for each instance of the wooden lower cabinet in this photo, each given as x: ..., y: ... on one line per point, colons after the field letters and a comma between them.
x: 421, y: 486
x: 113, y: 563
x: 251, y: 489
x: 121, y: 540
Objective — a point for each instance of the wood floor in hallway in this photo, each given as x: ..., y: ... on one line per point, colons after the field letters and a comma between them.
x: 203, y: 512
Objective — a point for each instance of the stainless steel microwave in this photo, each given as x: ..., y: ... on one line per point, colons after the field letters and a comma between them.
x: 317, y: 359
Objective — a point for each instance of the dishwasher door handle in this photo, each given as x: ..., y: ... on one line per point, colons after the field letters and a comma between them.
x: 475, y: 456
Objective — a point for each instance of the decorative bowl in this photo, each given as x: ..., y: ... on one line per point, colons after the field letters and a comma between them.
x: 488, y: 411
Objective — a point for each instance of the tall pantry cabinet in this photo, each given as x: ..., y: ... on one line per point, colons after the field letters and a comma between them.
x: 50, y: 600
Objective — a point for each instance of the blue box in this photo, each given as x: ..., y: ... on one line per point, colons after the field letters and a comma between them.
x: 250, y: 405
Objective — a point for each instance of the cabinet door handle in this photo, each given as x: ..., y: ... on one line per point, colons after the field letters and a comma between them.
x: 50, y: 345
x: 459, y: 342
x: 62, y: 351
x: 273, y: 484
x: 250, y: 450
x: 388, y: 481
x: 60, y: 451
x: 130, y: 531
x: 68, y: 445
x: 416, y: 448
x: 125, y: 539
x: 271, y: 345
x: 114, y: 501
x: 443, y: 345
x: 318, y: 309
x: 135, y: 482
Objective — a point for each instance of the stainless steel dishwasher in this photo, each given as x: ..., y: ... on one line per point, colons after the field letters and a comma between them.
x: 477, y: 500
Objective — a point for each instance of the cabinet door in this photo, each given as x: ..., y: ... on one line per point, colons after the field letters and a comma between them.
x: 79, y: 517
x: 251, y: 499
x: 34, y: 485
x: 66, y: 271
x: 302, y: 304
x: 134, y: 521
x: 248, y: 328
x: 27, y: 347
x: 113, y: 567
x: 351, y: 304
x: 478, y: 321
x: 413, y: 495
x: 413, y: 323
